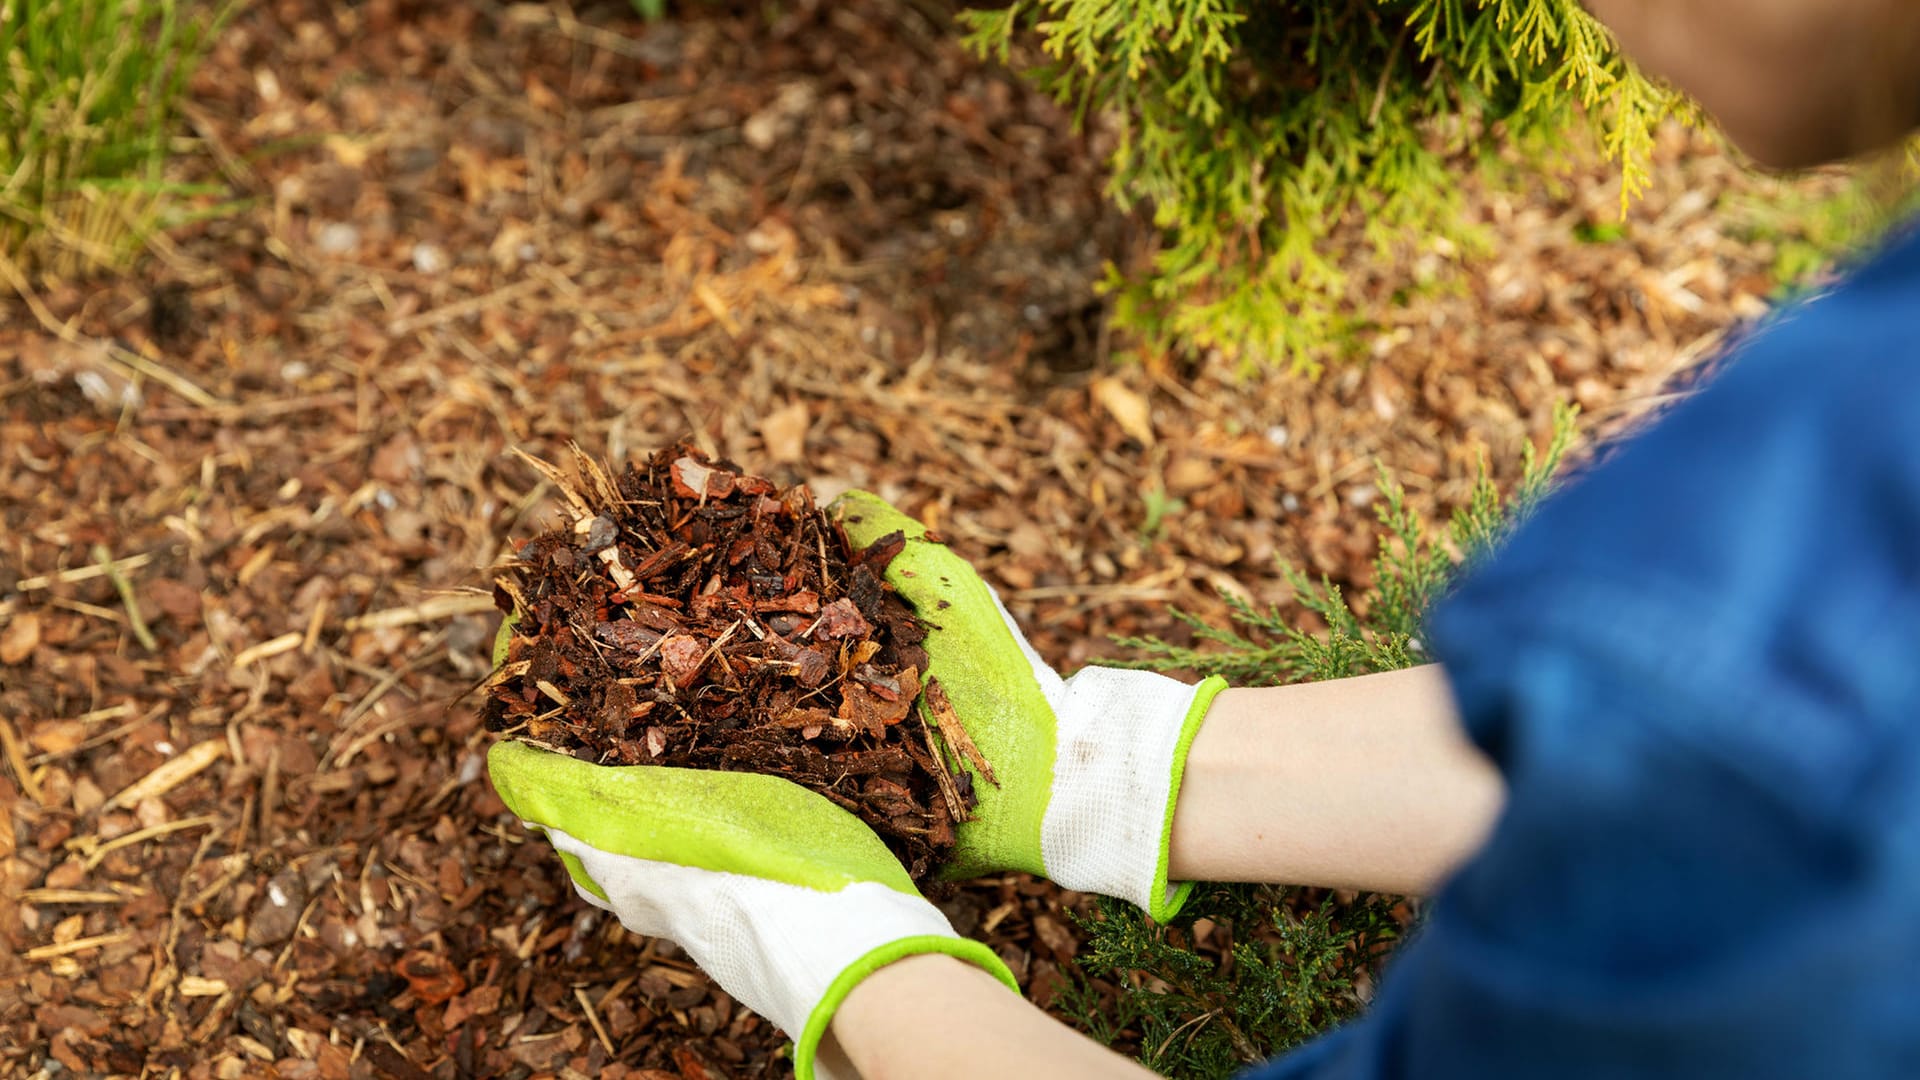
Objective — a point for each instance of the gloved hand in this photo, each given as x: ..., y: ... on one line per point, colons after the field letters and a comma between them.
x: 787, y: 900
x: 1088, y: 767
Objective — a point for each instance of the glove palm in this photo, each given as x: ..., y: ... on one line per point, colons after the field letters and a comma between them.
x: 787, y: 900
x: 1088, y: 768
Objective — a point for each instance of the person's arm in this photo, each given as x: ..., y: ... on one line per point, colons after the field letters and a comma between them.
x: 1365, y: 783
x: 1362, y: 782
x: 936, y: 1018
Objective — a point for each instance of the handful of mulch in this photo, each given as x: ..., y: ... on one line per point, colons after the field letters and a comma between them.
x: 695, y: 616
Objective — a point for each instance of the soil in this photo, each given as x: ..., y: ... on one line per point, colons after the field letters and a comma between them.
x: 249, y: 496
x: 697, y: 616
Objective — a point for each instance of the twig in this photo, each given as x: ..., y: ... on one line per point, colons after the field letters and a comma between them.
x: 121, y: 585
x: 1386, y: 73
x: 82, y: 573
x: 73, y: 896
x: 431, y: 610
x: 319, y: 619
x: 462, y: 308
x: 100, y: 739
x: 559, y: 480
x: 340, y: 749
x: 566, y: 25
x: 269, y: 798
x: 594, y: 1019
x: 92, y: 611
x: 111, y: 712
x: 162, y: 979
x: 1175, y: 1033
x: 48, y: 952
x: 949, y: 789
x: 10, y: 743
x: 103, y: 850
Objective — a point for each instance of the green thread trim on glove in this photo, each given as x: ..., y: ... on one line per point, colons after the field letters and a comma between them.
x: 1167, y: 902
x: 735, y: 823
x: 578, y: 872
x: 981, y: 666
x: 973, y: 952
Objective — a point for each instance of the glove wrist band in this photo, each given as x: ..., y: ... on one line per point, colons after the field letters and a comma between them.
x: 1122, y: 748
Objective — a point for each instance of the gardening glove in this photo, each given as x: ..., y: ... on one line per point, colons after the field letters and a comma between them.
x: 787, y: 900
x: 1087, y: 768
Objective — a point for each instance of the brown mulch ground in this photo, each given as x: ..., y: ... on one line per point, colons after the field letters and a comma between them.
x: 246, y: 835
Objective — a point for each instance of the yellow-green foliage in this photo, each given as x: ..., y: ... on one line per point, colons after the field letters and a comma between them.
x: 1253, y: 128
x: 89, y: 91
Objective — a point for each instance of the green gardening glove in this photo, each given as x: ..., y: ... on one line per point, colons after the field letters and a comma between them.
x: 1087, y: 768
x: 787, y: 900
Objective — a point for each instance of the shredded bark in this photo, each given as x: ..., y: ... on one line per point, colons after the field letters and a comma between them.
x: 694, y: 615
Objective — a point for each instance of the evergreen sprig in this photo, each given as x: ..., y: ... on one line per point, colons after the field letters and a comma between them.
x: 1295, y: 966
x: 1293, y: 973
x: 1255, y: 128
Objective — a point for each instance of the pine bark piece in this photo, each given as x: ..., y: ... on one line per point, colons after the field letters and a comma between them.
x: 956, y: 736
x: 937, y: 764
x: 687, y: 613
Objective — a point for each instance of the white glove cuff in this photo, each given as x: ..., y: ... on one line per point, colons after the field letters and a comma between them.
x: 783, y: 950
x: 1122, y: 746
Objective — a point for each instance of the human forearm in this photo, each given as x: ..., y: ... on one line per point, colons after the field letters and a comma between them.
x: 1358, y: 783
x: 933, y: 1017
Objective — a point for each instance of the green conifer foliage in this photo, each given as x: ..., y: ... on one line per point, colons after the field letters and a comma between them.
x: 1252, y: 128
x: 1298, y: 961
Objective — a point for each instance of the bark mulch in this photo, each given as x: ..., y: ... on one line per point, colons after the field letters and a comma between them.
x: 697, y: 616
x: 249, y: 496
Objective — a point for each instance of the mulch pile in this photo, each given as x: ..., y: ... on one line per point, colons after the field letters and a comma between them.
x: 693, y: 615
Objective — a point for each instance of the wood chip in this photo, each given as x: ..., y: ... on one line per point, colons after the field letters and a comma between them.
x: 949, y: 788
x: 951, y: 730
x: 19, y: 637
x: 1127, y: 406
x: 170, y: 774
x: 195, y: 986
x: 267, y: 650
x: 17, y: 760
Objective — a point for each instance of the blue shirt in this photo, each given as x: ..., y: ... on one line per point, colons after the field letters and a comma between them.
x: 1698, y: 668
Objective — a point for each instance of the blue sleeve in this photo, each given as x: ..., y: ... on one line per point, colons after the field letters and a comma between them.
x: 1699, y: 670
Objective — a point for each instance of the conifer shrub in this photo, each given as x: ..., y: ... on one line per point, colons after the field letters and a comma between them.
x: 1297, y: 961
x: 1254, y: 129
